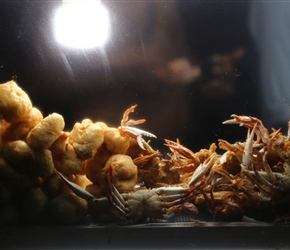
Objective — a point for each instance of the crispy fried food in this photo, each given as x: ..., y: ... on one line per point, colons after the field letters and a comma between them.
x: 82, y: 180
x: 103, y: 165
x: 95, y: 189
x: 52, y: 185
x: 65, y: 158
x: 26, y: 160
x: 15, y: 104
x: 115, y: 142
x: 94, y: 166
x: 86, y: 137
x: 123, y: 172
x: 67, y: 208
x: 9, y: 175
x: 19, y: 130
x: 34, y: 204
x: 19, y: 155
x: 45, y: 133
x: 42, y: 164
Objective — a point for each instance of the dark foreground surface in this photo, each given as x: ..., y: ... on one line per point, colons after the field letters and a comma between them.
x: 242, y: 235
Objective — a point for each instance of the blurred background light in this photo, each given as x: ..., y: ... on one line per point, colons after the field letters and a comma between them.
x: 81, y: 24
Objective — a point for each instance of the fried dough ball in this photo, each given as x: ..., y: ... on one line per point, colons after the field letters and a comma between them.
x: 86, y: 137
x: 19, y: 155
x: 82, y: 181
x: 53, y: 185
x: 42, y: 164
x: 43, y: 135
x: 94, y: 166
x: 67, y: 208
x: 26, y: 160
x: 34, y: 204
x: 93, y: 171
x: 15, y: 104
x: 65, y: 158
x: 19, y: 130
x: 95, y: 189
x: 9, y: 175
x: 115, y: 142
x: 124, y: 172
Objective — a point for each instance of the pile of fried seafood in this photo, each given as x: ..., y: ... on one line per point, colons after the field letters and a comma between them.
x: 101, y: 174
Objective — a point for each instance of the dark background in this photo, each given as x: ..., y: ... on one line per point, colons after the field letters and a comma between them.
x: 85, y: 83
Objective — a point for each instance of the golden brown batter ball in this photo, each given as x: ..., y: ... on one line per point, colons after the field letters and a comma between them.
x: 15, y: 104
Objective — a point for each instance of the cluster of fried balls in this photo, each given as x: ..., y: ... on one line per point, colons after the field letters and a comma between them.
x: 34, y: 148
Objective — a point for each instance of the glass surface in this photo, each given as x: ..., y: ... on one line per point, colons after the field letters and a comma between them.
x: 188, y: 65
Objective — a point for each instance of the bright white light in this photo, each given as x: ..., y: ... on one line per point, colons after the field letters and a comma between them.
x: 81, y: 24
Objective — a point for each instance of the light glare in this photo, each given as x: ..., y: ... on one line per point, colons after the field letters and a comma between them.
x: 82, y: 24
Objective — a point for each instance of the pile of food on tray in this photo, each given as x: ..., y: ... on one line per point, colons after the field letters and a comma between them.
x: 97, y: 173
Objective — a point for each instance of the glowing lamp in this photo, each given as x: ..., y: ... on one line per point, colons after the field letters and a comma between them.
x: 81, y: 24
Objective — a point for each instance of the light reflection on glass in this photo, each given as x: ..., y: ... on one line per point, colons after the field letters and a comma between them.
x: 81, y: 24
